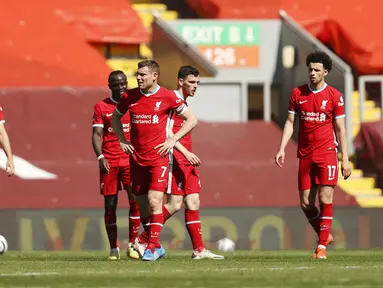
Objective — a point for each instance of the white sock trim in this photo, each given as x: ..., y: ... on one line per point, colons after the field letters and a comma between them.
x: 193, y: 222
x: 158, y: 224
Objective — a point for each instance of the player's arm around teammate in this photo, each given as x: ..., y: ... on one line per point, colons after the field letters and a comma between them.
x: 6, y: 144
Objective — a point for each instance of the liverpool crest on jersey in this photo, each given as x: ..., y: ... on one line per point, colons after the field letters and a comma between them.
x: 324, y: 103
x: 158, y: 104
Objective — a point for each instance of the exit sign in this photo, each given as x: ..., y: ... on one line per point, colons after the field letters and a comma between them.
x: 225, y: 43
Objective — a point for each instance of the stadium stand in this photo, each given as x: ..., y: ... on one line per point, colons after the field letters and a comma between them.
x: 363, y: 188
x: 119, y: 57
x: 36, y: 54
x: 113, y: 28
x: 357, y: 44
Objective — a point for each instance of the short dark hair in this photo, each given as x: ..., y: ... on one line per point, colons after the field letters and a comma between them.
x: 115, y: 73
x: 151, y: 64
x: 319, y: 57
x: 187, y: 70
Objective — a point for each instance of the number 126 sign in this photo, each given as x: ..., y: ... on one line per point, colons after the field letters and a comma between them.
x: 235, y: 56
x: 225, y: 43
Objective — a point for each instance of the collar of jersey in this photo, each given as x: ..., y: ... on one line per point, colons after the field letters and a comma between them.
x: 114, y: 101
x: 151, y: 93
x: 317, y: 91
x: 179, y: 94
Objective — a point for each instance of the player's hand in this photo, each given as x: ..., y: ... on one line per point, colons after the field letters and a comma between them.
x: 127, y: 147
x: 346, y: 169
x: 104, y: 165
x: 164, y: 148
x: 280, y: 158
x: 193, y: 159
x: 10, y: 167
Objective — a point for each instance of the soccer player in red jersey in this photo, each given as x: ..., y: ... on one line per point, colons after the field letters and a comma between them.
x: 6, y: 144
x: 114, y: 165
x: 184, y: 182
x: 320, y: 110
x: 151, y: 108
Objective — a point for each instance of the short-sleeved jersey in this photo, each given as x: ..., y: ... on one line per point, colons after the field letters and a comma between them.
x: 102, y: 117
x: 316, y: 111
x: 2, y: 120
x: 186, y: 141
x: 150, y: 116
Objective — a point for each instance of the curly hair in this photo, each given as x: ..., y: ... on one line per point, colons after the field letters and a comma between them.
x: 319, y: 57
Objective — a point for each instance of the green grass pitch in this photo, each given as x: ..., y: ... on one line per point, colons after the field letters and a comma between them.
x: 344, y: 268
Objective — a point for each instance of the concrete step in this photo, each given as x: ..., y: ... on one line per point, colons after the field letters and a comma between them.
x: 366, y: 193
x: 370, y: 202
x: 357, y: 184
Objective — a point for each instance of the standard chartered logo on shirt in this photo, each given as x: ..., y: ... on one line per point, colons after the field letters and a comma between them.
x: 312, y: 116
x: 145, y: 119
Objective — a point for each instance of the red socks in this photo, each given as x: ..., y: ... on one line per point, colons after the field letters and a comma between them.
x: 325, y: 223
x: 156, y: 224
x: 166, y: 213
x: 144, y: 237
x: 111, y: 227
x: 193, y: 225
x: 134, y: 221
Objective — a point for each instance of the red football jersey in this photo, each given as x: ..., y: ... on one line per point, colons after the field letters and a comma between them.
x: 316, y: 111
x: 102, y: 117
x: 150, y: 116
x: 2, y: 120
x: 186, y: 141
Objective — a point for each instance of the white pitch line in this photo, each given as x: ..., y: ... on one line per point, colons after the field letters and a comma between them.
x: 28, y: 274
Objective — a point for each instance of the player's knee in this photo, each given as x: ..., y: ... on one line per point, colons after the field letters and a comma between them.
x: 155, y: 202
x: 192, y: 202
x: 326, y: 194
x: 110, y: 202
